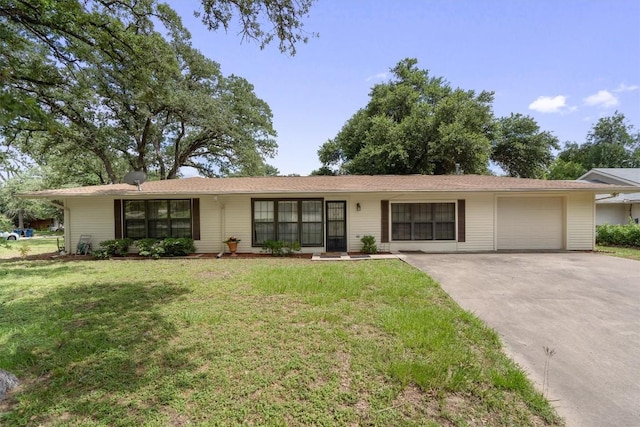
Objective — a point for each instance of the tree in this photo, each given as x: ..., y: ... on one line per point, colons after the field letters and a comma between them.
x: 561, y: 169
x: 521, y: 149
x: 414, y: 123
x: 611, y: 143
x: 284, y: 15
x: 96, y: 80
x: 21, y: 210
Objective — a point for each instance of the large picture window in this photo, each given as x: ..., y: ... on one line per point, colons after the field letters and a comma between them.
x: 157, y: 218
x: 291, y: 220
x: 423, y: 221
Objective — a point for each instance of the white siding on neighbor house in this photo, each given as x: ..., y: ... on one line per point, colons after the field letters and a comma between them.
x: 614, y: 213
x: 529, y: 223
x: 92, y: 216
x: 635, y: 212
x: 580, y: 222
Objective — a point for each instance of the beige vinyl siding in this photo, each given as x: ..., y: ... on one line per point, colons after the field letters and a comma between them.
x: 364, y: 222
x: 580, y: 224
x: 529, y: 223
x: 93, y: 216
x: 210, y: 237
x: 479, y: 225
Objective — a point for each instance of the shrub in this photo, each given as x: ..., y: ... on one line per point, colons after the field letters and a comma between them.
x: 101, y: 254
x: 369, y: 245
x: 280, y: 247
x: 178, y: 246
x: 150, y: 248
x: 170, y: 246
x: 618, y: 235
x: 109, y: 248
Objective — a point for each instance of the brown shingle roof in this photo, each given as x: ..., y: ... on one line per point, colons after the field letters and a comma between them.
x: 331, y: 184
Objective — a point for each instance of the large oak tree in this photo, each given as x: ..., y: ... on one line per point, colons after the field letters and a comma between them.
x: 414, y: 123
x: 521, y: 149
x: 98, y: 81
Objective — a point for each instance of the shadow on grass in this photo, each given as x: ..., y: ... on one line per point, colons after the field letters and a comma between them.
x: 80, y: 348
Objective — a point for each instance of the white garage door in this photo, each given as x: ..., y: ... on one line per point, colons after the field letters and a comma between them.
x: 530, y: 223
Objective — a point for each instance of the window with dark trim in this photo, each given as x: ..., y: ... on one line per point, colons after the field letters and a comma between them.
x: 157, y: 218
x: 291, y: 220
x: 423, y: 221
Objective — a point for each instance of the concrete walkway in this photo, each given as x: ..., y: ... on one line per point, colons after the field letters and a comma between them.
x: 584, y: 306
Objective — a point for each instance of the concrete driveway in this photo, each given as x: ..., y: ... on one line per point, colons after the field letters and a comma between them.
x: 584, y: 306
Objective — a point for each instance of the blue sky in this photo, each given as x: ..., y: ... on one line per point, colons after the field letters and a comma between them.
x: 565, y: 63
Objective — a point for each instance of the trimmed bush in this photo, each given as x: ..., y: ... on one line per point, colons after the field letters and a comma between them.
x: 178, y: 246
x: 109, y: 248
x: 618, y: 235
x: 369, y: 245
x: 168, y: 247
x: 280, y: 247
x: 150, y: 248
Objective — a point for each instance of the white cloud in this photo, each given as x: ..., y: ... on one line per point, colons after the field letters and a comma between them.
x: 548, y: 104
x: 379, y: 76
x: 603, y: 98
x: 624, y: 88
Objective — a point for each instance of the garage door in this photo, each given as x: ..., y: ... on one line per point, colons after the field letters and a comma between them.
x: 530, y: 223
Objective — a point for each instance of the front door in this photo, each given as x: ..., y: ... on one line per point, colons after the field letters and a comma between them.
x: 337, y: 226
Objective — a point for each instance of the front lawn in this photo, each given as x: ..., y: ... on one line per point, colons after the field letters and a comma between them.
x: 249, y: 342
x: 618, y: 251
x: 32, y: 246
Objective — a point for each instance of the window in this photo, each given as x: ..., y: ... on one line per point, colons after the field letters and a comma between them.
x: 423, y: 221
x: 157, y: 218
x: 291, y: 220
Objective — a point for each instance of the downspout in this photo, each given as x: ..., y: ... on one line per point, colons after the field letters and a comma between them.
x: 67, y: 230
x: 222, y: 225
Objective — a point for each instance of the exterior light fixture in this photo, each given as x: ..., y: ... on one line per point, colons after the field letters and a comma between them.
x: 358, y: 207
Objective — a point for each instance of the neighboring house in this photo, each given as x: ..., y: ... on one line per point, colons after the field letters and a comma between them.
x: 618, y: 207
x: 443, y: 213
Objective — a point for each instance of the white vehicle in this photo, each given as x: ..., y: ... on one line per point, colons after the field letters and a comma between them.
x: 6, y: 235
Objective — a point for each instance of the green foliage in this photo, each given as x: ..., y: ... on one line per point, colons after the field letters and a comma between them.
x: 19, y: 209
x: 155, y: 248
x: 91, y: 77
x: 151, y: 248
x: 24, y: 250
x: 414, y: 124
x: 562, y: 169
x: 109, y: 248
x: 284, y: 16
x: 618, y: 235
x: 6, y: 224
x: 611, y: 143
x: 280, y: 247
x: 178, y: 246
x: 369, y: 244
x: 521, y: 149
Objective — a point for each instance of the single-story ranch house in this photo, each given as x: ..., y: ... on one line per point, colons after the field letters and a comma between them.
x: 616, y: 208
x: 446, y: 213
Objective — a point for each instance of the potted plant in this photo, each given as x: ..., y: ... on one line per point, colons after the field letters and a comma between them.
x: 232, y: 243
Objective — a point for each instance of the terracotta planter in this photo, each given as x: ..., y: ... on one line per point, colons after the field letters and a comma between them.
x: 233, y: 247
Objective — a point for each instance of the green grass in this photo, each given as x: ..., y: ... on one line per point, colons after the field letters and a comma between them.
x: 34, y: 246
x: 250, y: 342
x: 622, y: 252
